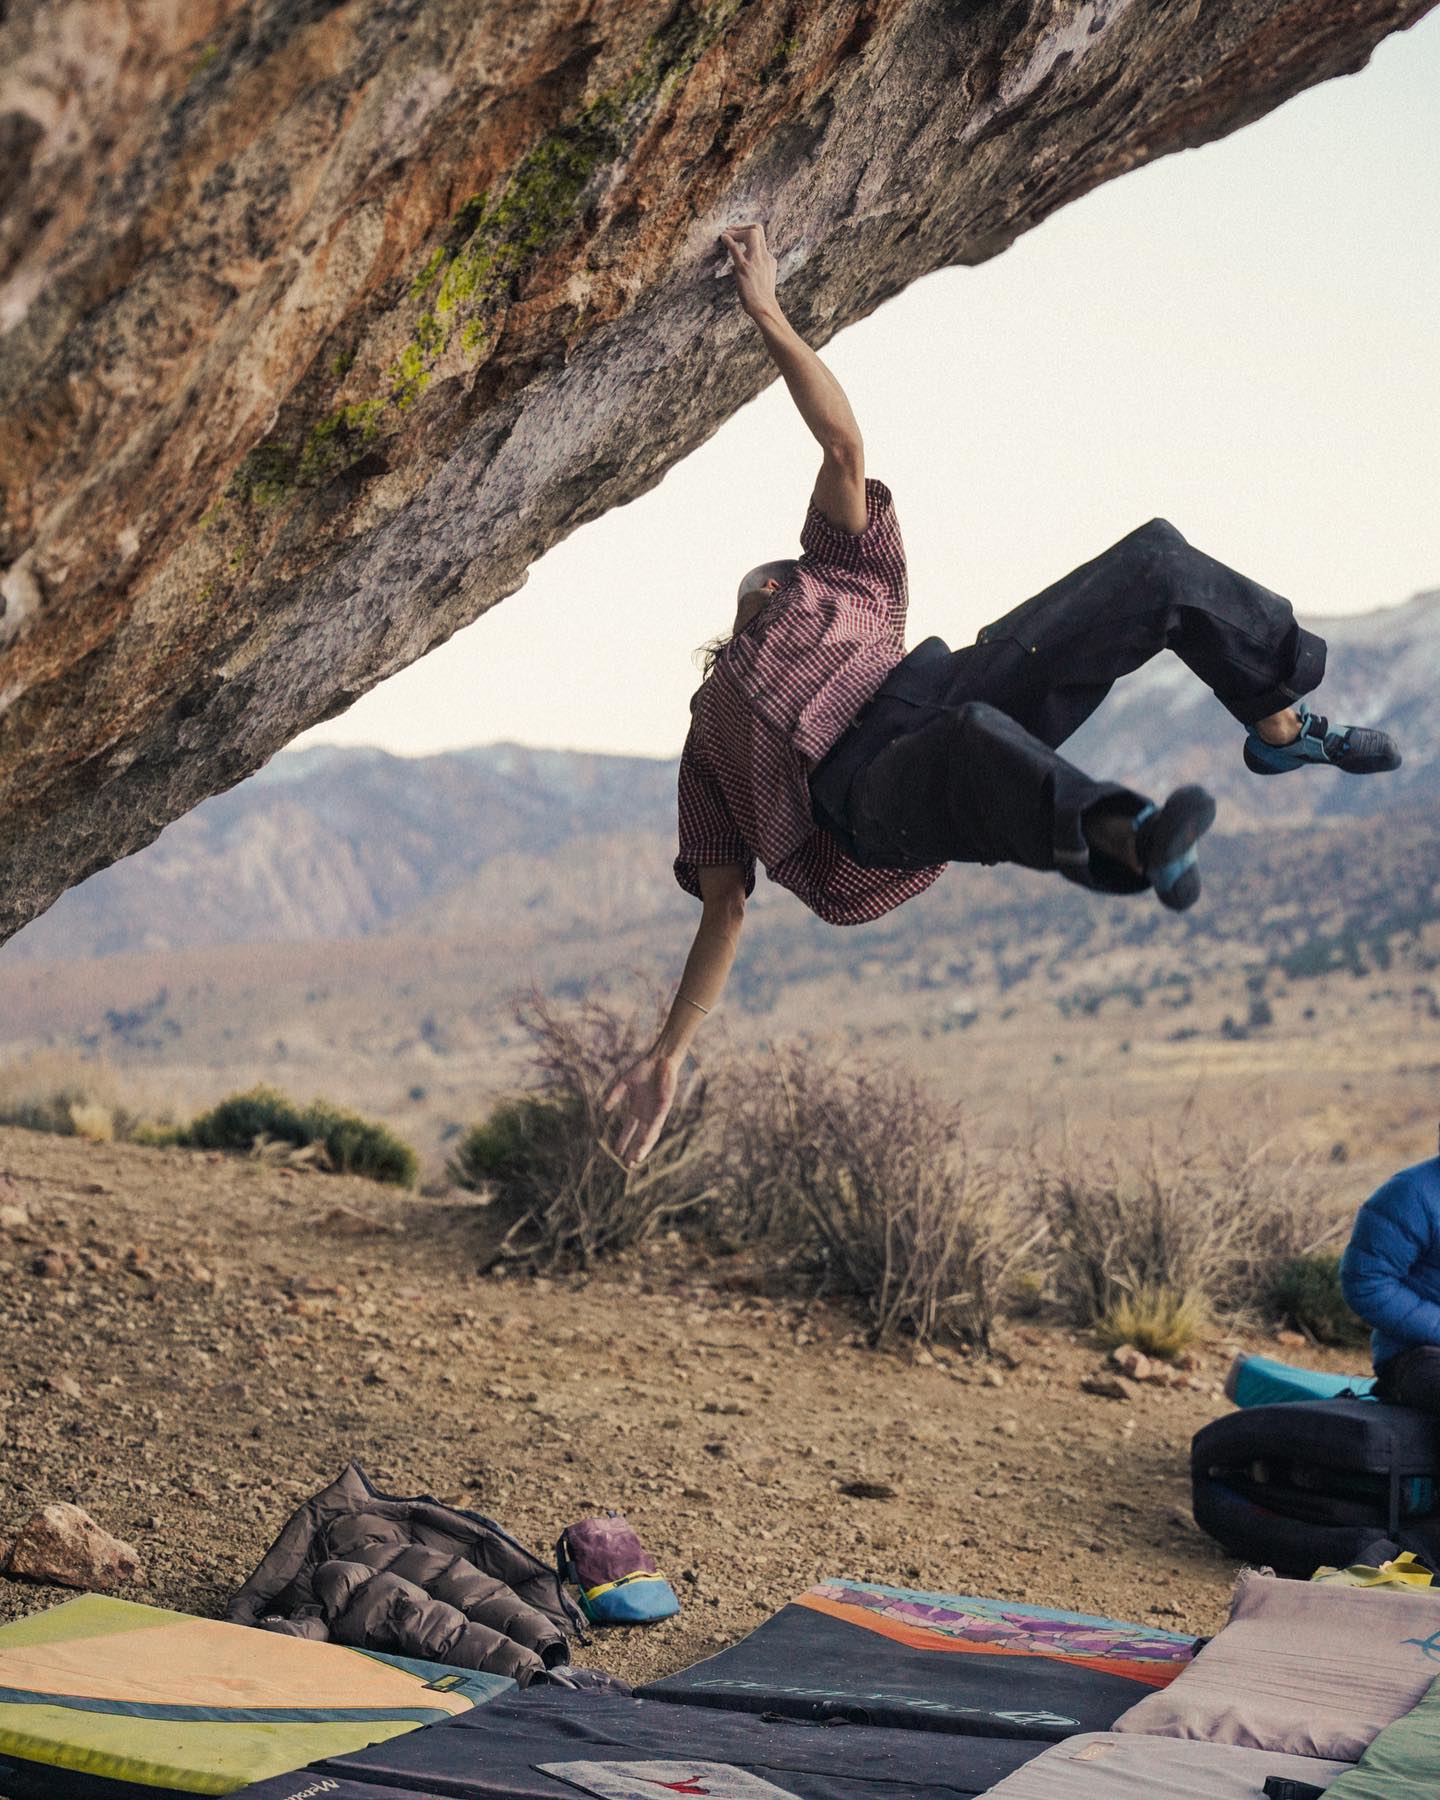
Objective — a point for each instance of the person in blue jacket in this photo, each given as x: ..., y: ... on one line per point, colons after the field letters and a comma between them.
x: 1390, y: 1275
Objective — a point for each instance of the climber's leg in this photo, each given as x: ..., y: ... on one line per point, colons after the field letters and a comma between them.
x: 1151, y: 591
x: 972, y: 785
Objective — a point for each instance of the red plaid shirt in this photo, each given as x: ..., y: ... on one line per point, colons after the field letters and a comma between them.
x: 780, y: 694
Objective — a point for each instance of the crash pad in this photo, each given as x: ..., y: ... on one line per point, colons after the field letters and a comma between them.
x: 116, y: 1692
x: 1401, y: 1762
x: 882, y: 1655
x: 1104, y: 1766
x: 1308, y: 1483
x: 1263, y: 1381
x: 550, y: 1743
x: 1304, y: 1667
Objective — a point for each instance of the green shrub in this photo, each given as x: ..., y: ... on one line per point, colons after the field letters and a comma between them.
x: 157, y: 1137
x: 516, y: 1134
x: 1306, y: 1293
x: 352, y: 1145
x: 1162, y: 1321
x: 245, y: 1119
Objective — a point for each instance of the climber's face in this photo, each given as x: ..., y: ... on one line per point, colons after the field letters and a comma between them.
x: 757, y: 588
x: 752, y: 602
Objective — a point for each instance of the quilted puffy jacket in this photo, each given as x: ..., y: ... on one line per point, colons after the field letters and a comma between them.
x: 1390, y: 1273
x: 413, y: 1577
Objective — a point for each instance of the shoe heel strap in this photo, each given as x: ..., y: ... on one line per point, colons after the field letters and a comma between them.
x: 1165, y: 877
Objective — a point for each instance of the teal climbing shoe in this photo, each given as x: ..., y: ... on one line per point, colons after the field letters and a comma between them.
x: 1355, y: 749
x: 1165, y: 840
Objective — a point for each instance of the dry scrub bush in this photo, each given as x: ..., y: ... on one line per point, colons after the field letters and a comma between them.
x: 69, y: 1095
x: 544, y: 1151
x: 1158, y: 1320
x: 870, y: 1170
x: 1189, y: 1224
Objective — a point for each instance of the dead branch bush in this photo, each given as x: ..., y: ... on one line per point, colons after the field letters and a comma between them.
x: 544, y: 1150
x: 873, y: 1173
x: 1209, y: 1219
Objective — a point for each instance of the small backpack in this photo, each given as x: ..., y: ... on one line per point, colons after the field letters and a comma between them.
x: 617, y: 1578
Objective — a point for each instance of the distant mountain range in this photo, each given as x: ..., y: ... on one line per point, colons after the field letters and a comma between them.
x: 331, y: 844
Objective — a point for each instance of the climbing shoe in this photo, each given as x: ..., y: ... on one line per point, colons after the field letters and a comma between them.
x: 1357, y: 749
x: 1165, y: 840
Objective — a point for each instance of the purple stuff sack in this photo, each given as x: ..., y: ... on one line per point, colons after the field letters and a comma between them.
x: 614, y: 1572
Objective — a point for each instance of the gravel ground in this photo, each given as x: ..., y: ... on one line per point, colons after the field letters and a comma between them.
x: 193, y: 1345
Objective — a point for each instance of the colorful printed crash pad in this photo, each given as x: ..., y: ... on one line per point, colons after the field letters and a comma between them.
x: 940, y: 1662
x: 106, y: 1688
x: 550, y: 1743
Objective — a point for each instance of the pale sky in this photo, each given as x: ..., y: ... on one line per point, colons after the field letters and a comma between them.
x: 1239, y: 338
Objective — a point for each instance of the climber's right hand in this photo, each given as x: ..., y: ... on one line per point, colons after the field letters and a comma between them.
x: 755, y: 269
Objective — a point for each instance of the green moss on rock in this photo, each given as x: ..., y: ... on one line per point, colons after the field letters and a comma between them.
x: 337, y: 440
x: 487, y: 247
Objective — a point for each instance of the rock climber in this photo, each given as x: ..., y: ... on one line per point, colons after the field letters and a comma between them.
x: 855, y: 772
x: 1390, y: 1276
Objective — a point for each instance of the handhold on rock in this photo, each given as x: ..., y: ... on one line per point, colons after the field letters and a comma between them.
x: 63, y: 1544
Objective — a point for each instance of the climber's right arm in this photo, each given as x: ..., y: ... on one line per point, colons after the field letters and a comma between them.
x: 840, y: 485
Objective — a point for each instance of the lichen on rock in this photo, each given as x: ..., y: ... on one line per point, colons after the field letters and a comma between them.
x: 318, y: 323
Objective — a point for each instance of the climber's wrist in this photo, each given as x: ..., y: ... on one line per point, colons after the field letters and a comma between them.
x: 767, y: 315
x: 771, y: 322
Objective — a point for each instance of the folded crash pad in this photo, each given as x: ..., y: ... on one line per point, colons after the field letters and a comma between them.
x: 1304, y: 1667
x: 1315, y: 1482
x: 108, y: 1689
x: 941, y: 1662
x: 1262, y: 1381
x: 550, y: 1743
x: 1104, y: 1766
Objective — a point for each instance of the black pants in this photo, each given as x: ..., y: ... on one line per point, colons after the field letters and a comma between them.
x: 955, y: 759
x: 1411, y: 1379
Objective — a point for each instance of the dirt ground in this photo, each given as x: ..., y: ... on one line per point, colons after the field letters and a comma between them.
x: 235, y: 1333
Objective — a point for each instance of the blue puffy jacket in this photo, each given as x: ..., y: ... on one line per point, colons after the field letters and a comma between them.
x: 1390, y: 1273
